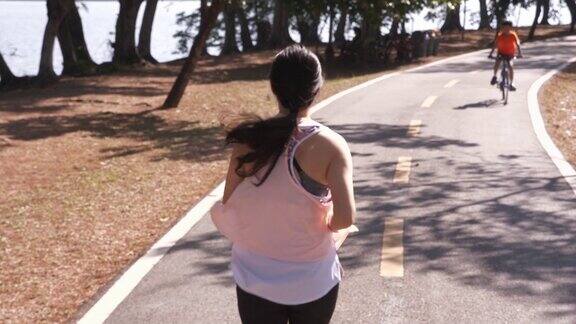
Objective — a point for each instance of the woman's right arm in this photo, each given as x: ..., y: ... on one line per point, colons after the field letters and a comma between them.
x: 232, y: 178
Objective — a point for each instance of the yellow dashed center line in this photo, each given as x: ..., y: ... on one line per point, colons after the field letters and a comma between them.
x: 428, y: 102
x: 451, y: 83
x: 414, y: 127
x: 392, y: 256
x: 402, y: 174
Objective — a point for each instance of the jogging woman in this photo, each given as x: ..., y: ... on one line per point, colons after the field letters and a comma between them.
x: 289, y: 187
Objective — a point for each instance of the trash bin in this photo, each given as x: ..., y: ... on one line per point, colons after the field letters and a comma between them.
x: 419, y: 44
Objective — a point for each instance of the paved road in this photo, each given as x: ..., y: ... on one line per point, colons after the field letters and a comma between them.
x: 490, y: 225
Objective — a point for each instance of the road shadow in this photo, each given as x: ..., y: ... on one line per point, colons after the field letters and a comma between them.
x: 491, y: 103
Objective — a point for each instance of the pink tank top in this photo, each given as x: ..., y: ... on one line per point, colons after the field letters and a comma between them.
x: 278, y: 219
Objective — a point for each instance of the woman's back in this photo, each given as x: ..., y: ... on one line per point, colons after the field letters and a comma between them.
x: 279, y: 218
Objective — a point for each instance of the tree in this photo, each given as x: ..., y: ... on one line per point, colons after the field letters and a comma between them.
x: 73, y: 22
x: 245, y: 35
x: 341, y: 27
x: 57, y: 10
x: 70, y: 61
x: 6, y: 75
x: 546, y: 13
x: 77, y: 59
x: 280, y: 36
x: 572, y: 7
x: 452, y: 22
x: 208, y: 16
x: 500, y: 8
x: 484, y: 17
x: 539, y: 4
x: 145, y: 37
x: 125, y: 42
x: 230, y: 45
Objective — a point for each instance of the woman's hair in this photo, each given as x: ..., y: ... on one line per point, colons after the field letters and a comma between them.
x: 295, y: 79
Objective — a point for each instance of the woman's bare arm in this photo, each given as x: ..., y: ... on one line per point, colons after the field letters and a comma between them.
x: 339, y: 178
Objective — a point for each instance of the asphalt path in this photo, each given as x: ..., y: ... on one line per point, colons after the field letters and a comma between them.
x: 489, y: 231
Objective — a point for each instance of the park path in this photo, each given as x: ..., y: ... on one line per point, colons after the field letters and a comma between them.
x: 462, y: 216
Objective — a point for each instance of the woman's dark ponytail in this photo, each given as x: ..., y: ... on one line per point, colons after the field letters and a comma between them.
x: 295, y: 79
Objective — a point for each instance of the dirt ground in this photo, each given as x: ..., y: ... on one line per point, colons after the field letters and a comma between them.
x: 92, y: 174
x: 558, y: 99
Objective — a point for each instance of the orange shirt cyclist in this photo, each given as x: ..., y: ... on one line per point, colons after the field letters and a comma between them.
x: 507, y: 44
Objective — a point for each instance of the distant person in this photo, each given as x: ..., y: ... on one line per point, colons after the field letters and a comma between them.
x: 288, y: 188
x: 507, y: 44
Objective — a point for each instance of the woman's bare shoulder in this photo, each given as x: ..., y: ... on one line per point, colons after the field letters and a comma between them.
x: 330, y: 142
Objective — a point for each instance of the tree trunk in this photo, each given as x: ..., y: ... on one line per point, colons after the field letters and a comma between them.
x: 245, y: 34
x: 341, y: 28
x: 70, y: 60
x: 572, y: 7
x: 125, y: 45
x: 207, y: 21
x: 484, y: 17
x: 56, y: 13
x: 330, y: 48
x: 230, y: 46
x: 74, y: 23
x: 452, y: 22
x: 313, y: 37
x: 394, y: 27
x: 535, y: 22
x: 6, y: 75
x: 145, y: 37
x: 280, y: 36
x: 500, y: 10
x: 546, y: 13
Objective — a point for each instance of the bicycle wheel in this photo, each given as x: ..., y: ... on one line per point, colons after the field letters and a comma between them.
x: 505, y: 84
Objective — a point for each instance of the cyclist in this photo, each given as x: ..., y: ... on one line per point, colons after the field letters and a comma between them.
x: 506, y: 44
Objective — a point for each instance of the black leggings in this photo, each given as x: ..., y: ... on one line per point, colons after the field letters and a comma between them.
x: 257, y: 310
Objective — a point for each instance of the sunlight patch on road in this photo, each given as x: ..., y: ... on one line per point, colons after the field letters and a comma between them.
x: 402, y: 174
x: 451, y: 83
x: 428, y: 102
x: 392, y: 256
x: 414, y: 127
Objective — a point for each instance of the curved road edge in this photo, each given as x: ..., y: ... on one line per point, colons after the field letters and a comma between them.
x: 564, y: 167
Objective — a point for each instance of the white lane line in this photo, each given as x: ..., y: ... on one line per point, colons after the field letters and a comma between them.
x: 131, y: 277
x: 402, y: 173
x: 428, y: 102
x: 392, y: 256
x: 565, y: 168
x: 414, y: 127
x: 368, y: 83
x: 474, y: 72
x: 451, y: 83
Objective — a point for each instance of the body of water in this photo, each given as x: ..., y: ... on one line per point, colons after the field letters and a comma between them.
x: 22, y: 26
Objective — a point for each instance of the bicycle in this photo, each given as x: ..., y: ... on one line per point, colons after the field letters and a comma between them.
x: 504, y: 82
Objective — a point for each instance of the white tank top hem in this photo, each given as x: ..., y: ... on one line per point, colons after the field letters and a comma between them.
x: 283, y: 282
x: 287, y: 282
